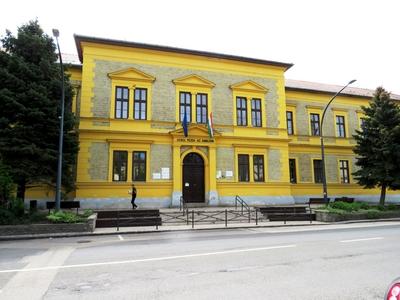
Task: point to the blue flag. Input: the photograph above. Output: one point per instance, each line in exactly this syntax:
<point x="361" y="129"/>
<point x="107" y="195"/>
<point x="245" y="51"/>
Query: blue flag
<point x="185" y="124"/>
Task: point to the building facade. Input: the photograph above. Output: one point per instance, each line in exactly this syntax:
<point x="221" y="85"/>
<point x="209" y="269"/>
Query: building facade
<point x="131" y="100"/>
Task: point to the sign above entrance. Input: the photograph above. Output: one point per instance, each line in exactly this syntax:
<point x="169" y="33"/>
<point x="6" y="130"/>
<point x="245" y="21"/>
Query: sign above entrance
<point x="195" y="140"/>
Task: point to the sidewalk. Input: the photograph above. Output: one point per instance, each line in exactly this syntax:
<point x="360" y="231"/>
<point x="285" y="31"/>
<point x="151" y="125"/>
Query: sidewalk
<point x="276" y="226"/>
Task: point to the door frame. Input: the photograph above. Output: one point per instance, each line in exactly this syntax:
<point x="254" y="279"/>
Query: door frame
<point x="206" y="171"/>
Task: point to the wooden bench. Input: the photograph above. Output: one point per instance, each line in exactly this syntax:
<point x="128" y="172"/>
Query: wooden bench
<point x="128" y="218"/>
<point x="286" y="213"/>
<point x="344" y="199"/>
<point x="316" y="202"/>
<point x="64" y="204"/>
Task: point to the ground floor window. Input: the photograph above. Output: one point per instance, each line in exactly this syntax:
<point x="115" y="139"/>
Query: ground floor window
<point x="292" y="170"/>
<point x="258" y="167"/>
<point x="344" y="171"/>
<point x="243" y="160"/>
<point x="120" y="161"/>
<point x="139" y="166"/>
<point x="317" y="170"/>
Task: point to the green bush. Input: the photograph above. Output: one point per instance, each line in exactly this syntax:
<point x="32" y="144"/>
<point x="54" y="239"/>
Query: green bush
<point x="6" y="217"/>
<point x="349" y="207"/>
<point x="64" y="217"/>
<point x="373" y="214"/>
<point x="16" y="207"/>
<point x="6" y="184"/>
<point x="393" y="207"/>
<point x="87" y="213"/>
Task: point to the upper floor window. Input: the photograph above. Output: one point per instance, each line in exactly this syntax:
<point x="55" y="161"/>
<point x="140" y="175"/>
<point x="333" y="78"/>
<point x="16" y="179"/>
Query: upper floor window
<point x="344" y="171"/>
<point x="241" y="111"/>
<point x="256" y="112"/>
<point x="318" y="173"/>
<point x="243" y="161"/>
<point x="121" y="102"/>
<point x="140" y="104"/>
<point x="201" y="108"/>
<point x="120" y="162"/>
<point x="185" y="106"/>
<point x="340" y="127"/>
<point x="258" y="167"/>
<point x="139" y="166"/>
<point x="315" y="125"/>
<point x="289" y="122"/>
<point x="292" y="170"/>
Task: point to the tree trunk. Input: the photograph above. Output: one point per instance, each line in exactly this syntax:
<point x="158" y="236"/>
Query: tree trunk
<point x="21" y="189"/>
<point x="383" y="194"/>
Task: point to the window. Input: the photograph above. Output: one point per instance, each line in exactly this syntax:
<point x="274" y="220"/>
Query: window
<point x="121" y="102"/>
<point x="185" y="104"/>
<point x="340" y="127"/>
<point x="344" y="171"/>
<point x="258" y="168"/>
<point x="315" y="127"/>
<point x="120" y="161"/>
<point x="289" y="122"/>
<point x="256" y="112"/>
<point x="243" y="160"/>
<point x="317" y="170"/>
<point x="241" y="111"/>
<point x="201" y="108"/>
<point x="140" y="104"/>
<point x="292" y="170"/>
<point x="139" y="166"/>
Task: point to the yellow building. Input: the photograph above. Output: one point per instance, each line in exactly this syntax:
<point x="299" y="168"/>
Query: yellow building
<point x="132" y="98"/>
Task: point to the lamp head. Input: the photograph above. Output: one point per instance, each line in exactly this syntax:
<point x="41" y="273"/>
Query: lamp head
<point x="56" y="33"/>
<point x="352" y="81"/>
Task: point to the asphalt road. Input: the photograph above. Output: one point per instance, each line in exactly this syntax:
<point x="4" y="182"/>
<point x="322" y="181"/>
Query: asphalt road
<point x="319" y="262"/>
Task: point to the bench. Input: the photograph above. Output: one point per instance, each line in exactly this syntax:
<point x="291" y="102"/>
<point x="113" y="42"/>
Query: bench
<point x="344" y="199"/>
<point x="128" y="218"/>
<point x="286" y="213"/>
<point x="64" y="204"/>
<point x="317" y="202"/>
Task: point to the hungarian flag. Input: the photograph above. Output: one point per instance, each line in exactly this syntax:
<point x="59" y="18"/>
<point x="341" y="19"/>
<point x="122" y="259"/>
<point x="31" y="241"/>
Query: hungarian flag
<point x="210" y="126"/>
<point x="185" y="124"/>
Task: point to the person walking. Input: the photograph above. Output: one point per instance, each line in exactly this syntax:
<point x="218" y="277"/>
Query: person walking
<point x="133" y="193"/>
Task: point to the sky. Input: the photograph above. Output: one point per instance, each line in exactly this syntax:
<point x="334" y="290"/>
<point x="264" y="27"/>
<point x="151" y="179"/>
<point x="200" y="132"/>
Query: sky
<point x="330" y="41"/>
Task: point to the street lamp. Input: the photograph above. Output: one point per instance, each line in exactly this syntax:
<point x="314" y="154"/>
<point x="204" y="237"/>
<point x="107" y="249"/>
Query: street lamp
<point x="325" y="188"/>
<point x="56" y="34"/>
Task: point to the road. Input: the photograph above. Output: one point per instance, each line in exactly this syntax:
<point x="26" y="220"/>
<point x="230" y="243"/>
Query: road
<point x="355" y="261"/>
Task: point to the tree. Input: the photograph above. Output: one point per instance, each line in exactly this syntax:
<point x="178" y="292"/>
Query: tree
<point x="30" y="92"/>
<point x="378" y="145"/>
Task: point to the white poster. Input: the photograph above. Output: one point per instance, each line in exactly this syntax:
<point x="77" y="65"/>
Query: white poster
<point x="156" y="176"/>
<point x="229" y="174"/>
<point x="165" y="173"/>
<point x="219" y="174"/>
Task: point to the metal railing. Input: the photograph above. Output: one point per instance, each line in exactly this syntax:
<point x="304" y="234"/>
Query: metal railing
<point x="242" y="203"/>
<point x="182" y="204"/>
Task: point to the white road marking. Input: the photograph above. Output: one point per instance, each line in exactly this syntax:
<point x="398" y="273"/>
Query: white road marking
<point x="17" y="287"/>
<point x="362" y="240"/>
<point x="147" y="259"/>
<point x="120" y="237"/>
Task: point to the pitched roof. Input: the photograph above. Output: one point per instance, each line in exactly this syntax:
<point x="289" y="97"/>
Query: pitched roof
<point x="315" y="87"/>
<point x="81" y="38"/>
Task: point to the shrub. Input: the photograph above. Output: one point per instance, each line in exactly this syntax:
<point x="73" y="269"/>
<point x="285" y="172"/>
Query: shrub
<point x="16" y="207"/>
<point x="373" y="214"/>
<point x="6" y="184"/>
<point x="393" y="207"/>
<point x="64" y="217"/>
<point x="6" y="217"/>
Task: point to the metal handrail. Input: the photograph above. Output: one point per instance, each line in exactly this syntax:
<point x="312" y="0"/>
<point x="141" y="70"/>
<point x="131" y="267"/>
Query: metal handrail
<point x="242" y="203"/>
<point x="182" y="204"/>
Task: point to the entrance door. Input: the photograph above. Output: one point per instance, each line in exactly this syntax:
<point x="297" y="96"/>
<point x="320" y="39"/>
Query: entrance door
<point x="193" y="178"/>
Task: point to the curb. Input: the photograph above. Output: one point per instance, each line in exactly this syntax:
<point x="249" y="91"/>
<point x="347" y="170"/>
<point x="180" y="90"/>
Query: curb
<point x="93" y="234"/>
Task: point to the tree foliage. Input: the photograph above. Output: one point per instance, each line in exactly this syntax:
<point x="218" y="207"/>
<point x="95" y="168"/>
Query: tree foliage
<point x="378" y="145"/>
<point x="30" y="93"/>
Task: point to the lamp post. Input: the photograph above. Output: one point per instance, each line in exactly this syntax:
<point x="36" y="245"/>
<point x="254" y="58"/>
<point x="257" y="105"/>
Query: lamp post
<point x="325" y="188"/>
<point x="56" y="34"/>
